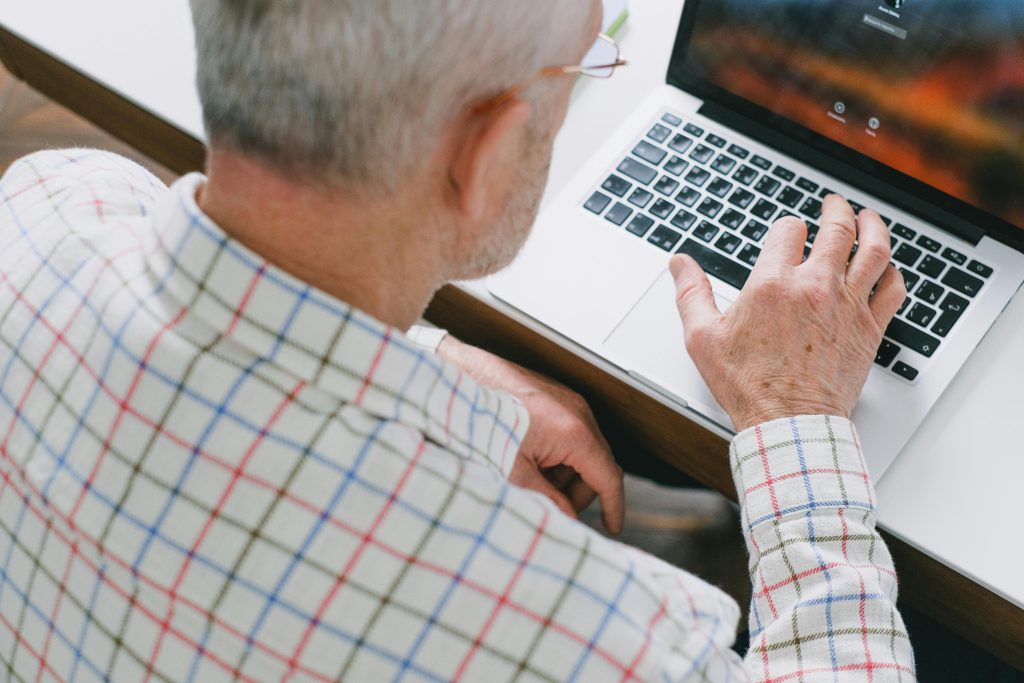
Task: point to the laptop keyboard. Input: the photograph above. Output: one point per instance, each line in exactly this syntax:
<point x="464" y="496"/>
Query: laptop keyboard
<point x="683" y="189"/>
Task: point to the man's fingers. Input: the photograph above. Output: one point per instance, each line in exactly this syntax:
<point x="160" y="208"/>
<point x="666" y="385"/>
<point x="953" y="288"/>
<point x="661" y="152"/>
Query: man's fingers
<point x="784" y="243"/>
<point x="694" y="297"/>
<point x="890" y="292"/>
<point x="836" y="235"/>
<point x="536" y="481"/>
<point x="872" y="255"/>
<point x="598" y="470"/>
<point x="580" y="494"/>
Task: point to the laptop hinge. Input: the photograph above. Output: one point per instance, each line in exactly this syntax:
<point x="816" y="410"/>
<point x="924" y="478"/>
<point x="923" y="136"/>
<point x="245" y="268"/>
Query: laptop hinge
<point x="860" y="178"/>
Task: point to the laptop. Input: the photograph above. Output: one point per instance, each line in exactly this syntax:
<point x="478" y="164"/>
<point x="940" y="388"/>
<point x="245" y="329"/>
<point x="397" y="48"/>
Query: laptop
<point x="914" y="108"/>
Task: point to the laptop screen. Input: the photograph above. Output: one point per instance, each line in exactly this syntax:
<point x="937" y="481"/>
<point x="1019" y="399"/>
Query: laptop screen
<point x="933" y="89"/>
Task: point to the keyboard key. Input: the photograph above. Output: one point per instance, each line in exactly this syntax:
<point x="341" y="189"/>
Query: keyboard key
<point x="710" y="207"/>
<point x="688" y="196"/>
<point x="907" y="255"/>
<point x="731" y="219"/>
<point x="928" y="243"/>
<point x="640" y="225"/>
<point x="807" y="185"/>
<point x="784" y="173"/>
<point x="741" y="198"/>
<point x="764" y="210"/>
<point x="650" y="153"/>
<point x="954" y="256"/>
<point x="723" y="164"/>
<point x="812" y="232"/>
<point x="697" y="176"/>
<point x="856" y="206"/>
<point x="667" y="186"/>
<point x="659" y="133"/>
<point x="761" y="162"/>
<point x="754" y="230"/>
<point x="929" y="292"/>
<point x="904" y="306"/>
<point x="662" y="208"/>
<point x="790" y="196"/>
<point x="921" y="314"/>
<point x="672" y="120"/>
<point x="693" y="130"/>
<point x="749" y="254"/>
<point x="715" y="264"/>
<point x="811" y="208"/>
<point x="906" y="334"/>
<point x="702" y="154"/>
<point x="676" y="165"/>
<point x="931" y="266"/>
<point x="713" y="139"/>
<point x="640" y="197"/>
<point x="807" y="251"/>
<point x="886" y="220"/>
<point x="767" y="186"/>
<point x="705" y="231"/>
<point x="962" y="282"/>
<point x="738" y="151"/>
<point x="978" y="268"/>
<point x="683" y="220"/>
<point x="664" y="238"/>
<point x="617" y="186"/>
<point x="826" y="192"/>
<point x="719" y="187"/>
<point x="952" y="308"/>
<point x="911" y="278"/>
<point x="887" y="353"/>
<point x="728" y="243"/>
<point x="640" y="172"/>
<point x="905" y="371"/>
<point x="598" y="202"/>
<point x="680" y="143"/>
<point x="618" y="213"/>
<point x="744" y="175"/>
<point x="903" y="231"/>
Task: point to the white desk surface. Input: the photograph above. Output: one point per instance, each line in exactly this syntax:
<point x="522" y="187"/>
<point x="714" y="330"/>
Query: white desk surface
<point x="956" y="490"/>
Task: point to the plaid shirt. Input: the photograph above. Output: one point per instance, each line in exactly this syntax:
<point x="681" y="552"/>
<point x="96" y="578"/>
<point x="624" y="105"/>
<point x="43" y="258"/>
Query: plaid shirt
<point x="211" y="471"/>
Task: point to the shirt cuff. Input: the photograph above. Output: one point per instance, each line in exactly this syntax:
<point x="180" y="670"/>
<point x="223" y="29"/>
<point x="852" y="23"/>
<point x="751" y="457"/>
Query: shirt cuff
<point x="426" y="338"/>
<point x="798" y="464"/>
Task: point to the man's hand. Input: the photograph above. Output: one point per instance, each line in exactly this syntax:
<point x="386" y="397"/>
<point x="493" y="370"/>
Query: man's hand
<point x="563" y="455"/>
<point x="801" y="337"/>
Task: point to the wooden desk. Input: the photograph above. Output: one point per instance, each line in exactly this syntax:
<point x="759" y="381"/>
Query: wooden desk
<point x="633" y="419"/>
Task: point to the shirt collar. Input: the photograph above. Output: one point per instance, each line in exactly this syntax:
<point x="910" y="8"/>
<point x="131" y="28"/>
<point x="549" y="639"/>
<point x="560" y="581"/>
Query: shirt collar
<point x="322" y="340"/>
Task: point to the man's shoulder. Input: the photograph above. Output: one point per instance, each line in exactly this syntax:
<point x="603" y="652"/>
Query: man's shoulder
<point x="52" y="175"/>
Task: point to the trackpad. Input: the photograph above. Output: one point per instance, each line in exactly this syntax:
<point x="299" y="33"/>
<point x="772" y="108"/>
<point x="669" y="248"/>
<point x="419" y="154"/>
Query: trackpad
<point x="649" y="342"/>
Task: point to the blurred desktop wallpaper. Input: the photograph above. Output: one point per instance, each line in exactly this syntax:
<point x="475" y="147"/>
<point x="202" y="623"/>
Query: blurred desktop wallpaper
<point x="932" y="88"/>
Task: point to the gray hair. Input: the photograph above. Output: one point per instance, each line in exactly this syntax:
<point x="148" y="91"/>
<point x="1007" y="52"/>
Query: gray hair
<point x="362" y="89"/>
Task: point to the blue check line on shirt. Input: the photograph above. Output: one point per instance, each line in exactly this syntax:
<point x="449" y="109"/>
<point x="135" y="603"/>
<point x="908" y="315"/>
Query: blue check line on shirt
<point x="810" y="506"/>
<point x="89" y="609"/>
<point x="479" y="540"/>
<point x="610" y="609"/>
<point x="812" y="542"/>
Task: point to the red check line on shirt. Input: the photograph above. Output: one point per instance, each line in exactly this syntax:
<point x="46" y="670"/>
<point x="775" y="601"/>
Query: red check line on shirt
<point x="859" y="474"/>
<point x="186" y="444"/>
<point x="866" y="666"/>
<point x="368" y="379"/>
<point x="43" y="664"/>
<point x="214" y="515"/>
<point x="503" y="600"/>
<point x="630" y="673"/>
<point x="365" y="541"/>
<point x="766" y="591"/>
<point x="246" y="298"/>
<point x="56" y="607"/>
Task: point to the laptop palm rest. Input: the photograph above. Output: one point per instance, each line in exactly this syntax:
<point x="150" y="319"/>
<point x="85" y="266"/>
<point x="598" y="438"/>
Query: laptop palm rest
<point x="648" y="343"/>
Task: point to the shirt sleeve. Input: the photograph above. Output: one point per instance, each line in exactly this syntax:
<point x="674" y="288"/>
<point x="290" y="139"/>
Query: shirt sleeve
<point x="824" y="585"/>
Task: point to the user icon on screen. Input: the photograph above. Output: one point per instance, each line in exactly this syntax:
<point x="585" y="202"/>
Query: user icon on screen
<point x="895" y="4"/>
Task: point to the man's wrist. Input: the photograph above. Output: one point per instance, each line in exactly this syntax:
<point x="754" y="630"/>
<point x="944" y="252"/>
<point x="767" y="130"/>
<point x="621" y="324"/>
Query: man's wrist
<point x="765" y="414"/>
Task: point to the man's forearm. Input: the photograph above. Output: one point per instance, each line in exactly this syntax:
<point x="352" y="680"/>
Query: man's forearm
<point x="824" y="586"/>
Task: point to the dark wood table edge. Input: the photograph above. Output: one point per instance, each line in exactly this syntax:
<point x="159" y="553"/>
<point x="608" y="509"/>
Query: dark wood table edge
<point x="631" y="420"/>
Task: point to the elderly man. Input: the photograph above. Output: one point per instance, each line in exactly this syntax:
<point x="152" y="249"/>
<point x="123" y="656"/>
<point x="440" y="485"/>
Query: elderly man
<point x="222" y="458"/>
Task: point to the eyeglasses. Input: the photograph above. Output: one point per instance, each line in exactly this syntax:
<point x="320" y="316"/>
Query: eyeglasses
<point x="600" y="62"/>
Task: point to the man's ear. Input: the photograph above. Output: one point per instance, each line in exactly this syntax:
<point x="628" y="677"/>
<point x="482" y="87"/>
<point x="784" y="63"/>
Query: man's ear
<point x="483" y="142"/>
